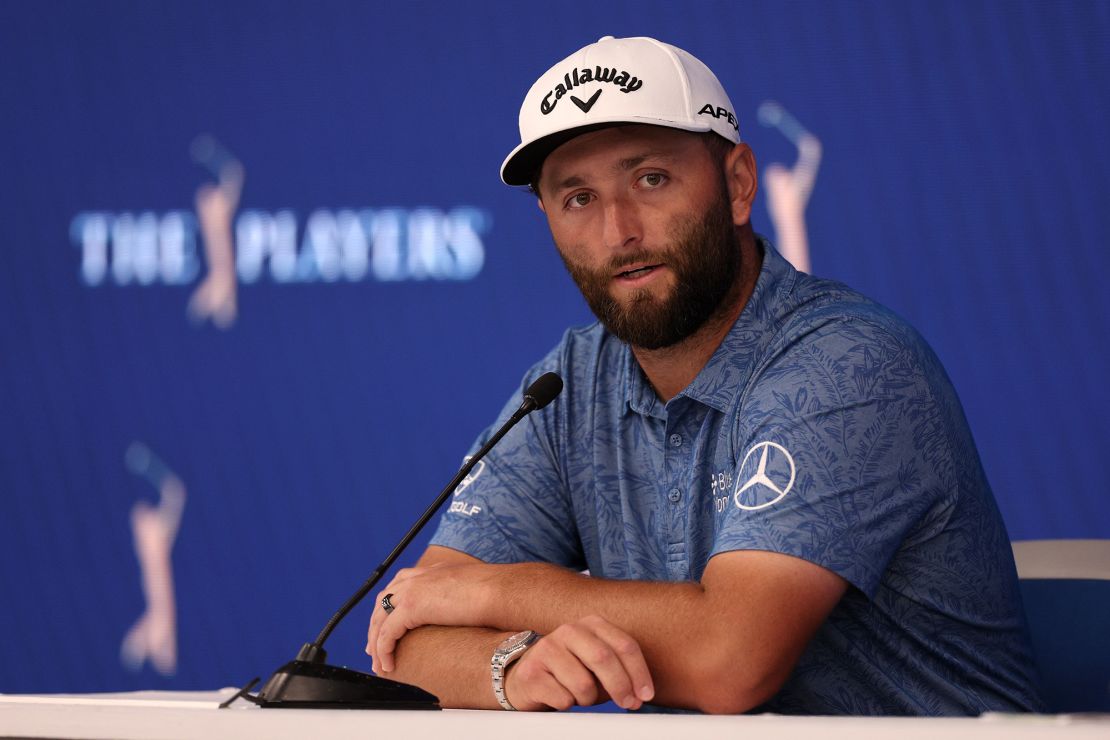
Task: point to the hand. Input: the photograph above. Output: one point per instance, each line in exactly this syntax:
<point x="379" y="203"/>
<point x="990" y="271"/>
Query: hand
<point x="584" y="663"/>
<point x="442" y="594"/>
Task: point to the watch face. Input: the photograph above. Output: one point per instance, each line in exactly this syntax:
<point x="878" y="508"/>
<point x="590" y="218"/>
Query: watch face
<point x="516" y="640"/>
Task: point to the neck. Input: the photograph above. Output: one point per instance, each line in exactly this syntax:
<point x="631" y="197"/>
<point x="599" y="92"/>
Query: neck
<point x="671" y="369"/>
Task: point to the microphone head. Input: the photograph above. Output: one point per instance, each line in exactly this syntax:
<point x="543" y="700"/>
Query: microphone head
<point x="544" y="390"/>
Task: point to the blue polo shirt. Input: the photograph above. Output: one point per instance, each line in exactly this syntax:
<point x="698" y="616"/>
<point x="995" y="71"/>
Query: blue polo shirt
<point x="823" y="427"/>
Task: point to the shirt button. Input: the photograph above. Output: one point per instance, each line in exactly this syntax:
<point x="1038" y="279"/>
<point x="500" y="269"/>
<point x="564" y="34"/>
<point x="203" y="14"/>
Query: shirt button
<point x="674" y="495"/>
<point x="676" y="440"/>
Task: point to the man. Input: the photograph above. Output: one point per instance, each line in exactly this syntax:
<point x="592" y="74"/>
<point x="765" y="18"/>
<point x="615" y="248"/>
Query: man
<point x="768" y="476"/>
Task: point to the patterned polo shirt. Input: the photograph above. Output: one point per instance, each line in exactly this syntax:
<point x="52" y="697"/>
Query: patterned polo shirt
<point x="823" y="427"/>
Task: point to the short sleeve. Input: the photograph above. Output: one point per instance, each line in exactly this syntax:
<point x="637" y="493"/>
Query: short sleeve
<point x="514" y="505"/>
<point x="842" y="450"/>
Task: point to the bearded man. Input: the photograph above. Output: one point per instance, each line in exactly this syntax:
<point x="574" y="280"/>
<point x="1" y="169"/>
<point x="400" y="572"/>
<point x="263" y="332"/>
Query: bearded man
<point x="767" y="476"/>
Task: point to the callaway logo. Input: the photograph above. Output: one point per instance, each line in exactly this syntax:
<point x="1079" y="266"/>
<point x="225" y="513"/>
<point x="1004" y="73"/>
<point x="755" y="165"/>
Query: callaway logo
<point x="577" y="77"/>
<point x="766" y="476"/>
<point x="719" y="112"/>
<point x="585" y="107"/>
<point x="471" y="476"/>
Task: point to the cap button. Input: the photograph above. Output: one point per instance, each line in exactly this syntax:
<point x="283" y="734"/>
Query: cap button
<point x="606" y="38"/>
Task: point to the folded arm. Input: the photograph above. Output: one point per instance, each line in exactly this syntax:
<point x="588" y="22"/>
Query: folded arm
<point x="725" y="644"/>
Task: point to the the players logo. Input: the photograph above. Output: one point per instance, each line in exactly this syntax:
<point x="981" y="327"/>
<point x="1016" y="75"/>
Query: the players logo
<point x="347" y="244"/>
<point x="766" y="476"/>
<point x="153" y="637"/>
<point x="788" y="188"/>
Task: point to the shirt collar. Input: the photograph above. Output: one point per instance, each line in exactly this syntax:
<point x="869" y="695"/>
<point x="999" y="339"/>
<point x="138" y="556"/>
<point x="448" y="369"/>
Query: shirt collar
<point x="729" y="369"/>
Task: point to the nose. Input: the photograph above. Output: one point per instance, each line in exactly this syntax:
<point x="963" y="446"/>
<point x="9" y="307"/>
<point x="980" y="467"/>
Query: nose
<point x="622" y="227"/>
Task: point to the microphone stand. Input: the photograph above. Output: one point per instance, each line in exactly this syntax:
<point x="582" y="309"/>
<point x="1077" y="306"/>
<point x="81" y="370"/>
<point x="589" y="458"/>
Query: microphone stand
<point x="307" y="682"/>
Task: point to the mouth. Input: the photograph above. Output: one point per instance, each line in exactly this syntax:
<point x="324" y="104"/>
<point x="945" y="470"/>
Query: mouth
<point x="637" y="271"/>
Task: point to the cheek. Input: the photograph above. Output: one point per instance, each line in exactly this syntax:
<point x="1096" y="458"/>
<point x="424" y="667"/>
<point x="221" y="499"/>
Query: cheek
<point x="573" y="256"/>
<point x="586" y="273"/>
<point x="566" y="230"/>
<point x="572" y="246"/>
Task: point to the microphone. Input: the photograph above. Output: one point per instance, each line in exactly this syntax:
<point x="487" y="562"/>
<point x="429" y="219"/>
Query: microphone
<point x="541" y="393"/>
<point x="307" y="682"/>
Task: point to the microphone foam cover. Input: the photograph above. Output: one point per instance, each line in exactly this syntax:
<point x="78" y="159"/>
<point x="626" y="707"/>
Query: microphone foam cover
<point x="545" y="389"/>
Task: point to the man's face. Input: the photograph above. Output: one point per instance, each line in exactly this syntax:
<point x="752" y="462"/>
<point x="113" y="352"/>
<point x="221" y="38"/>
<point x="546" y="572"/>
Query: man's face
<point x="641" y="218"/>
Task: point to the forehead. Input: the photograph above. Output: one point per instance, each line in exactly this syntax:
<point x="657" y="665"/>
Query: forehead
<point x="620" y="147"/>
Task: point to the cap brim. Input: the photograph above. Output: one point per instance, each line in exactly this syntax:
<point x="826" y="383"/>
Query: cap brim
<point x="523" y="162"/>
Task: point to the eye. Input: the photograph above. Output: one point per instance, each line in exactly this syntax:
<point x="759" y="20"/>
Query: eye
<point x="579" y="200"/>
<point x="653" y="179"/>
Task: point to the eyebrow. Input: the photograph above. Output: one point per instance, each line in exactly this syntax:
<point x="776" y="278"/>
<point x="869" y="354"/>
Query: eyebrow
<point x="571" y="182"/>
<point x="631" y="162"/>
<point x="622" y="165"/>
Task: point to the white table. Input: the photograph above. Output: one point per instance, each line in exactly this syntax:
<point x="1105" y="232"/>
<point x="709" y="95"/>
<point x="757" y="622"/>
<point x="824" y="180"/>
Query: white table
<point x="163" y="714"/>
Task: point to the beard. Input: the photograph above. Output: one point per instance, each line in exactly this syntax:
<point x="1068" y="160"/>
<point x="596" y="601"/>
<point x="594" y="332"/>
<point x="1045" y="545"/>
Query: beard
<point x="704" y="256"/>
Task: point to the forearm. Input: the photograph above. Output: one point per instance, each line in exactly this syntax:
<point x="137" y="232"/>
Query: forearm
<point x="451" y="662"/>
<point x="725" y="644"/>
<point x="673" y="623"/>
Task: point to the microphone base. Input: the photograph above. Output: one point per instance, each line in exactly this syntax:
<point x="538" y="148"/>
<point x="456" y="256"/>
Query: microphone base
<point x="301" y="684"/>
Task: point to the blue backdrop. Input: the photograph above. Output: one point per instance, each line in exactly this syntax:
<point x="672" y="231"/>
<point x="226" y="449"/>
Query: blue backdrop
<point x="261" y="285"/>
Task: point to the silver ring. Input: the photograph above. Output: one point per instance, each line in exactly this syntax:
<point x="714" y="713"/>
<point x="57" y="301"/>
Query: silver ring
<point x="387" y="604"/>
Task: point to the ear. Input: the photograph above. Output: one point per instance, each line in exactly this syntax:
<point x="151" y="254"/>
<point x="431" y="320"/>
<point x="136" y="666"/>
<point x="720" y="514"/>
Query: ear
<point x="743" y="182"/>
<point x="539" y="202"/>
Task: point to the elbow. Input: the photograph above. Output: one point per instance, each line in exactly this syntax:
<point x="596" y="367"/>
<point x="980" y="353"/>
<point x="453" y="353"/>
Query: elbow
<point x="738" y="684"/>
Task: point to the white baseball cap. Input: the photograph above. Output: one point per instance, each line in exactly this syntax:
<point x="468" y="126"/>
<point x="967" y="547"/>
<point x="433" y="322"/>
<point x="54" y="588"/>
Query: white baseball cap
<point x="614" y="81"/>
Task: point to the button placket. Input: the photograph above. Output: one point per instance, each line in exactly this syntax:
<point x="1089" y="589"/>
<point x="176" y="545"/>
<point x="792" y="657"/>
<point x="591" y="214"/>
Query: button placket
<point x="677" y="467"/>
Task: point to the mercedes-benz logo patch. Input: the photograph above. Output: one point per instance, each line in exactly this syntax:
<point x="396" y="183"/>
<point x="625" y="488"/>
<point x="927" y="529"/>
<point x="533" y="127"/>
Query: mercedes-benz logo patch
<point x="766" y="475"/>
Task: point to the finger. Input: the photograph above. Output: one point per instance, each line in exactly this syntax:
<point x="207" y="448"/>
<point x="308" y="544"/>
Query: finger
<point x="377" y="619"/>
<point x="554" y="694"/>
<point x="529" y="685"/>
<point x="603" y="665"/>
<point x="595" y="643"/>
<point x="567" y="668"/>
<point x="630" y="655"/>
<point x="392" y="630"/>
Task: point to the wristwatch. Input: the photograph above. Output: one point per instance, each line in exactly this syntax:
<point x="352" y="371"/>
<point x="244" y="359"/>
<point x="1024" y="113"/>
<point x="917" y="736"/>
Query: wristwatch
<point x="508" y="651"/>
